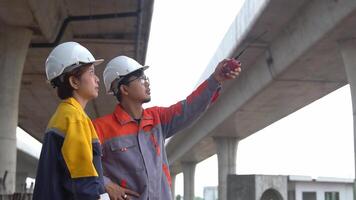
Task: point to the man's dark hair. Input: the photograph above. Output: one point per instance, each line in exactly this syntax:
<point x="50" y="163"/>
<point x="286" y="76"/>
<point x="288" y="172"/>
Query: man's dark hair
<point x="64" y="89"/>
<point x="126" y="80"/>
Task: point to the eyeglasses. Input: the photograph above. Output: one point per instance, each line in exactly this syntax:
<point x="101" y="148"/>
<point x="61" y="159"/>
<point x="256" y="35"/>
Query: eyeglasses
<point x="143" y="79"/>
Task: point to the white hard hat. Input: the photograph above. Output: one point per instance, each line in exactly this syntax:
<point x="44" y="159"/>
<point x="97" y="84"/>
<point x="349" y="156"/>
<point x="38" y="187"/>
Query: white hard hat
<point x="119" y="67"/>
<point x="66" y="55"/>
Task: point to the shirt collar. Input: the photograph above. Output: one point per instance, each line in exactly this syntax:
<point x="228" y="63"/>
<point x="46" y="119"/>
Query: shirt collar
<point x="72" y="101"/>
<point x="123" y="117"/>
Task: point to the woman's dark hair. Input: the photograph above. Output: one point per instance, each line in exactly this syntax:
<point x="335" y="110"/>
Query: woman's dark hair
<point x="125" y="81"/>
<point x="64" y="89"/>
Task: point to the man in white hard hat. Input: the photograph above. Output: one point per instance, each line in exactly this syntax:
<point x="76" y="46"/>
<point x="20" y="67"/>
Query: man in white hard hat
<point x="134" y="158"/>
<point x="70" y="162"/>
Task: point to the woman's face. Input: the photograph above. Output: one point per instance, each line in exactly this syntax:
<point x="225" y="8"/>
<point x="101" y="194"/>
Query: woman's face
<point x="88" y="86"/>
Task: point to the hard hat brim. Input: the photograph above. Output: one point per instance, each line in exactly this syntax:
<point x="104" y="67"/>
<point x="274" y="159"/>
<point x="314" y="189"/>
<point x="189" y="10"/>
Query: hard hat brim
<point x="145" y="67"/>
<point x="97" y="62"/>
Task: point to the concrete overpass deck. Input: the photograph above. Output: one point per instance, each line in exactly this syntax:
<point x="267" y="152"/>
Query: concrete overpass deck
<point x="28" y="32"/>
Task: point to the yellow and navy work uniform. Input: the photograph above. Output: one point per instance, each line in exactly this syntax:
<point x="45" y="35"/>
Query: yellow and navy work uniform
<point x="70" y="164"/>
<point x="134" y="154"/>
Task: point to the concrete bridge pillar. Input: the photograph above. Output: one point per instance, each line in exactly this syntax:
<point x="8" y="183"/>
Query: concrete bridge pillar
<point x="14" y="43"/>
<point x="348" y="52"/>
<point x="226" y="150"/>
<point x="173" y="186"/>
<point x="188" y="174"/>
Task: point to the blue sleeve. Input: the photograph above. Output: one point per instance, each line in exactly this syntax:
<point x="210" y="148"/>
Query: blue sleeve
<point x="81" y="155"/>
<point x="49" y="170"/>
<point x="53" y="179"/>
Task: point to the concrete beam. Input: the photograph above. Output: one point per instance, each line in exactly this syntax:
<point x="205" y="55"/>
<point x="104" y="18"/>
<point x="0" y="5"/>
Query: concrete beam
<point x="49" y="15"/>
<point x="43" y="17"/>
<point x="16" y="13"/>
<point x="14" y="45"/>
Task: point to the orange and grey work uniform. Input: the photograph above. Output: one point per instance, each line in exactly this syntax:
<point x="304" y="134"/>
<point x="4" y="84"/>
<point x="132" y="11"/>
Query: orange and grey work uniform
<point x="133" y="152"/>
<point x="70" y="163"/>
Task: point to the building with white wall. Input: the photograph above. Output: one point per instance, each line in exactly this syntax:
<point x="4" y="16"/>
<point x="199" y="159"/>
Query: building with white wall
<point x="307" y="188"/>
<point x="275" y="187"/>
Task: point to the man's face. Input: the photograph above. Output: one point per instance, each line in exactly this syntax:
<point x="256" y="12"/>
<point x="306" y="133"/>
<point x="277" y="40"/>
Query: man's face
<point x="139" y="89"/>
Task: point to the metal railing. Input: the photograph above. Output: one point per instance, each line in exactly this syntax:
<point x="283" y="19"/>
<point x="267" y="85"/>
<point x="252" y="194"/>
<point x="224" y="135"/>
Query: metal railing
<point x="16" y="196"/>
<point x="26" y="195"/>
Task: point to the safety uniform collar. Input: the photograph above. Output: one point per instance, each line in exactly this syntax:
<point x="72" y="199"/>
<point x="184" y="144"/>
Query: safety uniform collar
<point x="72" y="101"/>
<point x="123" y="117"/>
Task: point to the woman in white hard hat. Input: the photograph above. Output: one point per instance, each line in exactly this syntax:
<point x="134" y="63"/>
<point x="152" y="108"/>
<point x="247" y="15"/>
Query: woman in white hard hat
<point x="70" y="164"/>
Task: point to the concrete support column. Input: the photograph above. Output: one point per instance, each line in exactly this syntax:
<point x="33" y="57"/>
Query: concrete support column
<point x="348" y="52"/>
<point x="21" y="181"/>
<point x="188" y="174"/>
<point x="226" y="151"/>
<point x="14" y="44"/>
<point x="173" y="186"/>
